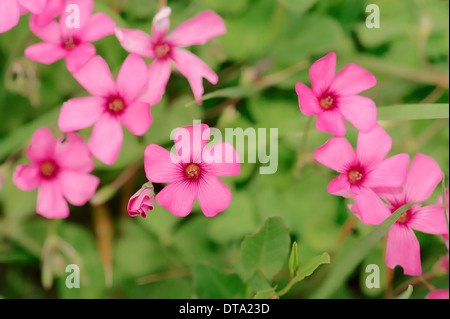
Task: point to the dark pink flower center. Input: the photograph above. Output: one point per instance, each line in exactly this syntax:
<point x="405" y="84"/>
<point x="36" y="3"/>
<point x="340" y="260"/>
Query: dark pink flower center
<point x="70" y="43"/>
<point x="162" y="50"/>
<point x="192" y="171"/>
<point x="355" y="176"/>
<point x="116" y="105"/>
<point x="327" y="102"/>
<point x="48" y="169"/>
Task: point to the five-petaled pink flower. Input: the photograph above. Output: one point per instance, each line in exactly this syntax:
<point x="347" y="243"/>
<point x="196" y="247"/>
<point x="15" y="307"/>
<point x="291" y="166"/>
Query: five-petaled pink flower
<point x="111" y="104"/>
<point x="164" y="49"/>
<point x="334" y="97"/>
<point x="142" y="201"/>
<point x="11" y="10"/>
<point x="61" y="172"/>
<point x="67" y="40"/>
<point x="364" y="171"/>
<point x="402" y="245"/>
<point x="192" y="172"/>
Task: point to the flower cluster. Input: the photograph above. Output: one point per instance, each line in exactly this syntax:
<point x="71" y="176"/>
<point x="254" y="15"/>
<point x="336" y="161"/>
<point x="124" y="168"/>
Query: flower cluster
<point x="67" y="28"/>
<point x="378" y="184"/>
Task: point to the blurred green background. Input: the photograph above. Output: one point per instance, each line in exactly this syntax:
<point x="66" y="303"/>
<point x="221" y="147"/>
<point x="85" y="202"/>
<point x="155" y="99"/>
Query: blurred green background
<point x="269" y="46"/>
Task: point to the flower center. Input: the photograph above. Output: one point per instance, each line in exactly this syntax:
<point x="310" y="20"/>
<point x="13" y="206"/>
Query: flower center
<point x="116" y="105"/>
<point x="70" y="44"/>
<point x="327" y="102"/>
<point x="355" y="176"/>
<point x="404" y="218"/>
<point x="192" y="171"/>
<point x="162" y="50"/>
<point x="48" y="168"/>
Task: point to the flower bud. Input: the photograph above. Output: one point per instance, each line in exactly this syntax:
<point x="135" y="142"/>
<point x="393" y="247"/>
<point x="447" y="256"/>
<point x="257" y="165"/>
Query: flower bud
<point x="142" y="201"/>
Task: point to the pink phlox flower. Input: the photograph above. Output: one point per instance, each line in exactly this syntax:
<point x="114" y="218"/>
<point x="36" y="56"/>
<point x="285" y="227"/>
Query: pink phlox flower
<point x="169" y="48"/>
<point x="61" y="172"/>
<point x="192" y="172"/>
<point x="11" y="10"/>
<point x="334" y="97"/>
<point x="142" y="201"/>
<point x="364" y="171"/>
<point x="67" y="39"/>
<point x="402" y="245"/>
<point x="112" y="103"/>
<point x="438" y="294"/>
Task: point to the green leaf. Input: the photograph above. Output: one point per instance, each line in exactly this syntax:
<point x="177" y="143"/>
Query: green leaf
<point x="414" y="112"/>
<point x="212" y="283"/>
<point x="267" y="250"/>
<point x="298" y="6"/>
<point x="311" y="265"/>
<point x="230" y="92"/>
<point x="343" y="269"/>
<point x="293" y="260"/>
<point x="406" y="294"/>
<point x="266" y="294"/>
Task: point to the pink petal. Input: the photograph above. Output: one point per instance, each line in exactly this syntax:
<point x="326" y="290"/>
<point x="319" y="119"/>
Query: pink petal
<point x="358" y="110"/>
<point x="27" y="177"/>
<point x="178" y="197"/>
<point x="137" y="118"/>
<point x="96" y="77"/>
<point x="307" y="100"/>
<point x="373" y="147"/>
<point x="213" y="195"/>
<point x="162" y="166"/>
<point x="222" y="160"/>
<point x="403" y="249"/>
<point x="428" y="219"/>
<point x="340" y="186"/>
<point x="371" y="208"/>
<point x="74" y="154"/>
<point x="331" y="121"/>
<point x="438" y="294"/>
<point x="77" y="57"/>
<point x="190" y="142"/>
<point x="391" y="173"/>
<point x="51" y="10"/>
<point x="9" y="15"/>
<point x="106" y="139"/>
<point x="194" y="70"/>
<point x="44" y="52"/>
<point x="67" y="16"/>
<point x="322" y="73"/>
<point x="48" y="32"/>
<point x="161" y="23"/>
<point x="35" y="6"/>
<point x="77" y="187"/>
<point x="50" y="202"/>
<point x="98" y="26"/>
<point x="423" y="177"/>
<point x="79" y="113"/>
<point x="198" y="30"/>
<point x="135" y="41"/>
<point x="132" y="78"/>
<point x="337" y="154"/>
<point x="158" y="76"/>
<point x="352" y="80"/>
<point x="42" y="146"/>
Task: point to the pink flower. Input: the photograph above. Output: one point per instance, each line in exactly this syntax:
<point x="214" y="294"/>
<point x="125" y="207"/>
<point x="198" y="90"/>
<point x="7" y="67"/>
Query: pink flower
<point x="192" y="172"/>
<point x="165" y="49"/>
<point x="65" y="40"/>
<point x="402" y="245"/>
<point x="61" y="172"/>
<point x="141" y="202"/>
<point x="438" y="294"/>
<point x="11" y="10"/>
<point x="112" y="103"/>
<point x="334" y="97"/>
<point x="364" y="171"/>
<point x="53" y="9"/>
